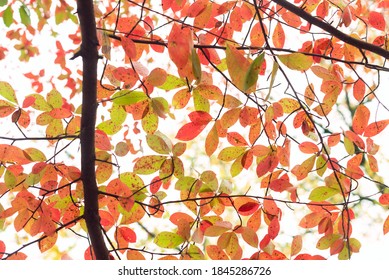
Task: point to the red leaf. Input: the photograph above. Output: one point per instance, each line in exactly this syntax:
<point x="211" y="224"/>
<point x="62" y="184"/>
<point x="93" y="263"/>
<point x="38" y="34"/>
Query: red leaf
<point x="377" y="20"/>
<point x="384" y="199"/>
<point x="274" y="228"/>
<point x="375" y="128"/>
<point x="189" y="131"/>
<point x="102" y="141"/>
<point x="200" y="117"/>
<point x="248" y="208"/>
<point x="128" y="234"/>
<point x="2" y="249"/>
<point x="180" y="44"/>
<point x="129" y="47"/>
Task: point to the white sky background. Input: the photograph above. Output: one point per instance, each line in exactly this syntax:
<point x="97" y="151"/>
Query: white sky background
<point x="374" y="244"/>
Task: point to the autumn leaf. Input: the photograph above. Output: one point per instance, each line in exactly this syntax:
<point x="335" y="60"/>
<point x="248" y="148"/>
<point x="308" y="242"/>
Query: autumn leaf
<point x="168" y="240"/>
<point x="377" y="20"/>
<point x="375" y="128"/>
<point x="296" y="61"/>
<point x="180" y="45"/>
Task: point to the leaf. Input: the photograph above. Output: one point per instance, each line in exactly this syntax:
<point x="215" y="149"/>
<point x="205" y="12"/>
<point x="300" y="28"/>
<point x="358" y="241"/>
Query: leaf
<point x="278" y="36"/>
<point x="251" y="76"/>
<point x="127" y="97"/>
<point x="308" y="147"/>
<point x="211" y="141"/>
<point x="8" y="92"/>
<point x="168" y="240"/>
<point x="197" y="8"/>
<point x="377" y="20"/>
<point x="196" y="66"/>
<point x="8" y="16"/>
<point x="384" y="199"/>
<point x="322" y="193"/>
<point x="311" y="220"/>
<point x="274" y="228"/>
<point x="157" y="144"/>
<point x="180" y="45"/>
<point x="386" y="225"/>
<point x="48" y="242"/>
<point x="235" y="139"/>
<point x="231" y="153"/>
<point x="190" y="131"/>
<point x="25" y="15"/>
<point x="289" y="105"/>
<point x="359" y="89"/>
<point x="360" y="119"/>
<point x="129" y="47"/>
<point x="237" y="66"/>
<point x="172" y="82"/>
<point x="250" y="236"/>
<point x="375" y="128"/>
<point x="296" y="61"/>
<point x="216" y="253"/>
<point x="2" y="249"/>
<point x="148" y="164"/>
<point x="326" y="241"/>
<point x="297" y="244"/>
<point x="102" y="141"/>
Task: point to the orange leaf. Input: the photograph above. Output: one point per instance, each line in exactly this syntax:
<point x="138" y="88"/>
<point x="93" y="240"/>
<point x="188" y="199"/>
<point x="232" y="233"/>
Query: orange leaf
<point x="254" y="222"/>
<point x="359" y="89"/>
<point x="308" y="147"/>
<point x="211" y="141"/>
<point x="377" y="20"/>
<point x="215" y="253"/>
<point x="375" y="128"/>
<point x="246" y="206"/>
<point x="278" y="36"/>
<point x="311" y="220"/>
<point x="197" y="8"/>
<point x="386" y="225"/>
<point x="297" y="244"/>
<point x="360" y="119"/>
<point x="17" y="256"/>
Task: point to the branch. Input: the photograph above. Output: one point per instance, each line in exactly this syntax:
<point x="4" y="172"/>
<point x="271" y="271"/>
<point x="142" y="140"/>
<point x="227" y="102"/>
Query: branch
<point x="332" y="30"/>
<point x="89" y="55"/>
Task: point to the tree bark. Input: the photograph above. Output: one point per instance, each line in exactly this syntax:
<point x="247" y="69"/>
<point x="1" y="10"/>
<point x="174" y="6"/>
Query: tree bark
<point x="89" y="56"/>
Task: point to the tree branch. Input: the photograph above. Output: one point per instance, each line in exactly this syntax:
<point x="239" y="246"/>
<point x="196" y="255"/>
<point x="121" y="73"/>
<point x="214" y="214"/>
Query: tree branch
<point x="89" y="55"/>
<point x="332" y="30"/>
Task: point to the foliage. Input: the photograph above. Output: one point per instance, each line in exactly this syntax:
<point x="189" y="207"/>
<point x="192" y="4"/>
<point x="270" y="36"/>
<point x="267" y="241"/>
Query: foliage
<point x="215" y="121"/>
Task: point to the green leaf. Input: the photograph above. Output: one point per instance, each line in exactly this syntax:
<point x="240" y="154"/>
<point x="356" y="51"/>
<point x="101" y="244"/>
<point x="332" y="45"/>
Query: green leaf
<point x="326" y="241"/>
<point x="3" y="3"/>
<point x="231" y="153"/>
<point x="54" y="98"/>
<point x="8" y="92"/>
<point x="8" y="16"/>
<point x="196" y="66"/>
<point x="168" y="240"/>
<point x="322" y="193"/>
<point x="118" y="114"/>
<point x="157" y="144"/>
<point x="296" y="61"/>
<point x="25" y="15"/>
<point x="172" y="82"/>
<point x="110" y="127"/>
<point x="252" y="74"/>
<point x="148" y="164"/>
<point x="128" y="97"/>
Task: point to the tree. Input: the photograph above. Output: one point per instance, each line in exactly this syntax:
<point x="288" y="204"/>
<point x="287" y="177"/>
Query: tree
<point x="210" y="119"/>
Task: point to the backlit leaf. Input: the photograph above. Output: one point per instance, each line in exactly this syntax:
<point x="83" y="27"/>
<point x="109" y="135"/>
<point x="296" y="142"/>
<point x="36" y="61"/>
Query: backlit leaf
<point x="237" y="66"/>
<point x="231" y="153"/>
<point x="278" y="36"/>
<point x="386" y="225"/>
<point x="360" y="119"/>
<point x="168" y="240"/>
<point x="189" y="131"/>
<point x="322" y="193"/>
<point x="180" y="45"/>
<point x="148" y="164"/>
<point x="252" y="74"/>
<point x="377" y="20"/>
<point x="375" y="128"/>
<point x="8" y="92"/>
<point x="216" y="253"/>
<point x="296" y="61"/>
<point x="297" y="244"/>
<point x="127" y="97"/>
